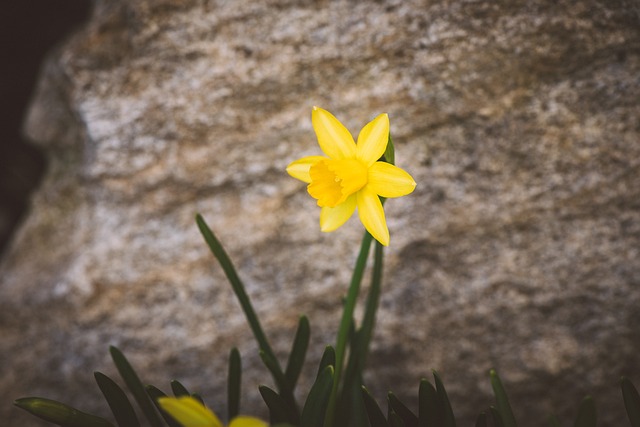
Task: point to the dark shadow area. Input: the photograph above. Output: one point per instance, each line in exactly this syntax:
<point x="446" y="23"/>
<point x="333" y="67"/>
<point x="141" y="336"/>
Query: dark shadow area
<point x="28" y="30"/>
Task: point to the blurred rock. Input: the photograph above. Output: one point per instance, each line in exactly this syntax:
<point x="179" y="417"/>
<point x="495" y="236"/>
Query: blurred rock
<point x="518" y="249"/>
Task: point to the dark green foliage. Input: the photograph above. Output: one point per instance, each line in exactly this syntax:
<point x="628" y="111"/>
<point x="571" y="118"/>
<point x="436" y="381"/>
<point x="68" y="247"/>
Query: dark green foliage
<point x="503" y="402"/>
<point x="497" y="416"/>
<point x="117" y="400"/>
<point x="408" y="418"/>
<point x="298" y="353"/>
<point x="429" y="413"/>
<point x="59" y="413"/>
<point x="155" y="393"/>
<point x="328" y="359"/>
<point x="233" y="383"/>
<point x="481" y="421"/>
<point x="446" y="411"/>
<point x="279" y="412"/>
<point x="135" y="387"/>
<point x="389" y="155"/>
<point x="586" y="413"/>
<point x="553" y="421"/>
<point x="178" y="389"/>
<point x="631" y="401"/>
<point x="395" y="420"/>
<point x="315" y="407"/>
<point x="333" y="400"/>
<point x="374" y="413"/>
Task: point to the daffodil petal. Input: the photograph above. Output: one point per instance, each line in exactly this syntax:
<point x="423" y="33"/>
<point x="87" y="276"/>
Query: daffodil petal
<point x="388" y="180"/>
<point x="244" y="421"/>
<point x="373" y="139"/>
<point x="189" y="412"/>
<point x="334" y="139"/>
<point x="372" y="215"/>
<point x="299" y="169"/>
<point x="332" y="218"/>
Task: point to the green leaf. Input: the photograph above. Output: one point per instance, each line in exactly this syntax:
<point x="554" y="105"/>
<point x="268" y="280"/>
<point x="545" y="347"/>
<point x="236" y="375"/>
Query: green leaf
<point x="553" y="421"/>
<point x="428" y="406"/>
<point x="135" y="386"/>
<point x="481" y="421"/>
<point x="315" y="407"/>
<point x="155" y="393"/>
<point x="448" y="420"/>
<point x="497" y="416"/>
<point x="587" y="416"/>
<point x="272" y="365"/>
<point x="501" y="398"/>
<point x="118" y="402"/>
<point x="631" y="401"/>
<point x="395" y="420"/>
<point x="408" y="417"/>
<point x="198" y="398"/>
<point x="328" y="359"/>
<point x="298" y="353"/>
<point x="375" y="414"/>
<point x="238" y="288"/>
<point x="389" y="153"/>
<point x="233" y="383"/>
<point x="59" y="413"/>
<point x="278" y="410"/>
<point x="178" y="389"/>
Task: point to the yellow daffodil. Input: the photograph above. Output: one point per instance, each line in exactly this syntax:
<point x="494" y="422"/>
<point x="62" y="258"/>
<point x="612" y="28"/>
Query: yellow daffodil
<point x="351" y="175"/>
<point x="191" y="413"/>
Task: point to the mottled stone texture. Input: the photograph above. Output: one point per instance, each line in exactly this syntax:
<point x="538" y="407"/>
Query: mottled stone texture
<point x="519" y="249"/>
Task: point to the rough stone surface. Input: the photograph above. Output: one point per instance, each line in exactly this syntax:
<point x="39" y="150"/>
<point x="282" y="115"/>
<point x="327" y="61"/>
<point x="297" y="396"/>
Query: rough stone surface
<point x="519" y="249"/>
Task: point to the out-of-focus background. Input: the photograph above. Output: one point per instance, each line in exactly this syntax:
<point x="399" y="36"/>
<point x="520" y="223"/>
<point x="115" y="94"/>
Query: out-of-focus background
<point x="518" y="250"/>
<point x="28" y="31"/>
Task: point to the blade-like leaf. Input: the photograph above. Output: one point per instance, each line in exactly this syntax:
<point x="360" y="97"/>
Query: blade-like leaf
<point x="375" y="414"/>
<point x="408" y="417"/>
<point x="553" y="421"/>
<point x="631" y="401"/>
<point x="298" y="353"/>
<point x="154" y="393"/>
<point x="315" y="406"/>
<point x="481" y="421"/>
<point x="328" y="359"/>
<point x="135" y="386"/>
<point x="59" y="413"/>
<point x="497" y="416"/>
<point x="278" y="410"/>
<point x="272" y="365"/>
<point x="237" y="286"/>
<point x="233" y="383"/>
<point x="198" y="398"/>
<point x="587" y="416"/>
<point x="178" y="389"/>
<point x="389" y="153"/>
<point x="395" y="420"/>
<point x="448" y="420"/>
<point x="502" y="400"/>
<point x="428" y="407"/>
<point x="118" y="402"/>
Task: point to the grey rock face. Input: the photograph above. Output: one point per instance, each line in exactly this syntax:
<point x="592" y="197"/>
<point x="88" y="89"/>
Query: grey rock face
<point x="518" y="250"/>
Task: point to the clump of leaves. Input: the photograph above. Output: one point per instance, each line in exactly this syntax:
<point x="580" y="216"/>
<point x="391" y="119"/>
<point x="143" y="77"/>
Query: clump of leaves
<point x="337" y="398"/>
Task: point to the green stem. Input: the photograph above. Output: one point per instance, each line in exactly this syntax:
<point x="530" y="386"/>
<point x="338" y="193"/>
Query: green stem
<point x="369" y="319"/>
<point x="345" y="323"/>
